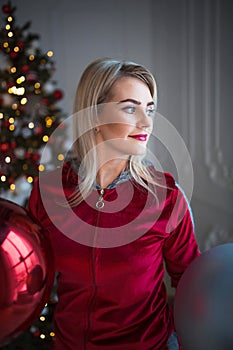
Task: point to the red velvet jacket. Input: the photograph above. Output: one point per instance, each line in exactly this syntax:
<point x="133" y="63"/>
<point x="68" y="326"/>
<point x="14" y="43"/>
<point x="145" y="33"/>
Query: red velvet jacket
<point x="110" y="261"/>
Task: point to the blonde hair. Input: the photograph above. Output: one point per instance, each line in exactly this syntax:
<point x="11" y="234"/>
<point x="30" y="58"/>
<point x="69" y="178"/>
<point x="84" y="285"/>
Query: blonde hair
<point x="94" y="88"/>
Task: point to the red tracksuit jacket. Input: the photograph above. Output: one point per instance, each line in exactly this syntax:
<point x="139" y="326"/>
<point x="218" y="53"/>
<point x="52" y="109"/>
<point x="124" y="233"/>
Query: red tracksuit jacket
<point x="110" y="261"/>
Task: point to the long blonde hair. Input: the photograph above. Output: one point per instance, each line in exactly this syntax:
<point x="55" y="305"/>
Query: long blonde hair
<point x="94" y="89"/>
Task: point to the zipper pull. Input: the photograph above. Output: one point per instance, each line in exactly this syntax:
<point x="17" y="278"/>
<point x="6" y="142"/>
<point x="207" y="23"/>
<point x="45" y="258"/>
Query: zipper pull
<point x="100" y="204"/>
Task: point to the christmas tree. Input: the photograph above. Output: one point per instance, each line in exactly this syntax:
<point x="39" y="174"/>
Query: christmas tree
<point x="28" y="103"/>
<point x="29" y="114"/>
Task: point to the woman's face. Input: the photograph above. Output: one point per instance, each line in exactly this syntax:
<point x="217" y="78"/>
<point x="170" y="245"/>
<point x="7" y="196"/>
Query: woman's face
<point x="126" y="120"/>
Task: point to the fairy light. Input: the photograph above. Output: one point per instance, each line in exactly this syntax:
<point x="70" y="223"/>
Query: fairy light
<point x="3" y="178"/>
<point x="5" y="44"/>
<point x="37" y="85"/>
<point x="60" y="157"/>
<point x="8" y="27"/>
<point x="14" y="106"/>
<point x="50" y="53"/>
<point x="42" y="318"/>
<point x="10" y="19"/>
<point x="10" y="34"/>
<point x="31" y="58"/>
<point x="12" y="187"/>
<point x="11" y="127"/>
<point x="31" y="125"/>
<point x="8" y="159"/>
<point x="52" y="334"/>
<point x="19" y="92"/>
<point x="37" y="91"/>
<point x="49" y="122"/>
<point x="41" y="167"/>
<point x="23" y="101"/>
<point x="45" y="138"/>
<point x="16" y="49"/>
<point x="20" y="79"/>
<point x="13" y="69"/>
<point x="42" y="336"/>
<point x="30" y="180"/>
<point x="25" y="167"/>
<point x="1" y="115"/>
<point x="11" y="120"/>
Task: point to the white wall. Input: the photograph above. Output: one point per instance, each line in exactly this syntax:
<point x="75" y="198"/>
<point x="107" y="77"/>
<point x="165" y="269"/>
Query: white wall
<point x="188" y="46"/>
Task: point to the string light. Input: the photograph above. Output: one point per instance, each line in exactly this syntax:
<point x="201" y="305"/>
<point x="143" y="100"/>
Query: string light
<point x="37" y="85"/>
<point x="12" y="187"/>
<point x="1" y="115"/>
<point x="14" y="106"/>
<point x="10" y="34"/>
<point x="45" y="138"/>
<point x="8" y="159"/>
<point x="8" y="27"/>
<point x="16" y="49"/>
<point x="11" y="120"/>
<point x="5" y="44"/>
<point x="24" y="100"/>
<point x="49" y="122"/>
<point x="25" y="167"/>
<point x="41" y="167"/>
<point x="60" y="157"/>
<point x="10" y="19"/>
<point x="13" y="69"/>
<point x="42" y="318"/>
<point x="31" y="58"/>
<point x="18" y="91"/>
<point x="42" y="336"/>
<point x="31" y="125"/>
<point x="30" y="180"/>
<point x="20" y="79"/>
<point x="50" y="53"/>
<point x="52" y="334"/>
<point x="3" y="178"/>
<point x="11" y="127"/>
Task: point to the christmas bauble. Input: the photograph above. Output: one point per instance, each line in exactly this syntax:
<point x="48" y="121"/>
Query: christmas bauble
<point x="26" y="270"/>
<point x="203" y="307"/>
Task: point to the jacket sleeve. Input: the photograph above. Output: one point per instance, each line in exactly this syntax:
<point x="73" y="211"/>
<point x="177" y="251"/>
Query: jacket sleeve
<point x="180" y="247"/>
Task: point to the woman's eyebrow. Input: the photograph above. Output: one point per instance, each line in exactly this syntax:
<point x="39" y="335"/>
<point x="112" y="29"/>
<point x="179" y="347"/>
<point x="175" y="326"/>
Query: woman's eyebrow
<point x="135" y="101"/>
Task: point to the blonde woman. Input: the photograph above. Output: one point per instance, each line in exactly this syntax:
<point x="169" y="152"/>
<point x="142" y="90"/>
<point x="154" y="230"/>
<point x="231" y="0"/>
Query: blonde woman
<point x="122" y="220"/>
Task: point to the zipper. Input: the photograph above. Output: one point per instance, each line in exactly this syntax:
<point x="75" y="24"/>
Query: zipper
<point x="100" y="204"/>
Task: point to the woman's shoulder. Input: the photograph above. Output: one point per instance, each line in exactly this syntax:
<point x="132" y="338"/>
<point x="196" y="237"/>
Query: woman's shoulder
<point x="162" y="178"/>
<point x="65" y="174"/>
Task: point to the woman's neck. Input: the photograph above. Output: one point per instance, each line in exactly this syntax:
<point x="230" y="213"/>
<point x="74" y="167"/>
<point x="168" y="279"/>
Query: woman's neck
<point x="110" y="170"/>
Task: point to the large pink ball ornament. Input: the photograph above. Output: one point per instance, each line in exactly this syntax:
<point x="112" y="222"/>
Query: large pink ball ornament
<point x="203" y="307"/>
<point x="26" y="270"/>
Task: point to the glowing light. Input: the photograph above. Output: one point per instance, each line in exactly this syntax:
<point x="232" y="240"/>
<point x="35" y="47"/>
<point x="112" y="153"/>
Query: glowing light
<point x="16" y="49"/>
<point x="23" y="101"/>
<point x="50" y="53"/>
<point x="12" y="187"/>
<point x="30" y="180"/>
<point x="8" y="159"/>
<point x="49" y="122"/>
<point x="13" y="69"/>
<point x="52" y="334"/>
<point x="37" y="91"/>
<point x="25" y="167"/>
<point x="10" y="34"/>
<point x="20" y="80"/>
<point x="11" y="120"/>
<point x="11" y="127"/>
<point x="42" y="336"/>
<point x="41" y="167"/>
<point x="45" y="138"/>
<point x="31" y="58"/>
<point x="5" y="44"/>
<point x="37" y="85"/>
<point x="31" y="125"/>
<point x="17" y="91"/>
<point x="60" y="157"/>
<point x="14" y="106"/>
<point x="10" y="19"/>
<point x="1" y="115"/>
<point x="8" y="27"/>
<point x="42" y="318"/>
<point x="3" y="178"/>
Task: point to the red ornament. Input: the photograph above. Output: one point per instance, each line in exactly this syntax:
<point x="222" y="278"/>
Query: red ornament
<point x="14" y="55"/>
<point x="58" y="94"/>
<point x="20" y="44"/>
<point x="6" y="9"/>
<point x="25" y="68"/>
<point x="4" y="146"/>
<point x="26" y="266"/>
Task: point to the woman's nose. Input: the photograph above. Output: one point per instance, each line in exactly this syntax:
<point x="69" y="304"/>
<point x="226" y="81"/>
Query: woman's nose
<point x="144" y="121"/>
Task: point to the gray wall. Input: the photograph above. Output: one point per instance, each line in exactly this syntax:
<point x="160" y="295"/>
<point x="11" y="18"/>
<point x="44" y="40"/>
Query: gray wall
<point x="188" y="46"/>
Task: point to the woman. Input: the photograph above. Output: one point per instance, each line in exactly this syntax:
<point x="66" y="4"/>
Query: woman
<point x="121" y="222"/>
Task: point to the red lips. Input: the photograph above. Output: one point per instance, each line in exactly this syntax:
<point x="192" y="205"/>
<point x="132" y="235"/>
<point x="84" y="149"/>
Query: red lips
<point x="140" y="137"/>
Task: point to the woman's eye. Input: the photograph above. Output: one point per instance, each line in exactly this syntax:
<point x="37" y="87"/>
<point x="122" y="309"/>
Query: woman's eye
<point x="150" y="112"/>
<point x="129" y="109"/>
